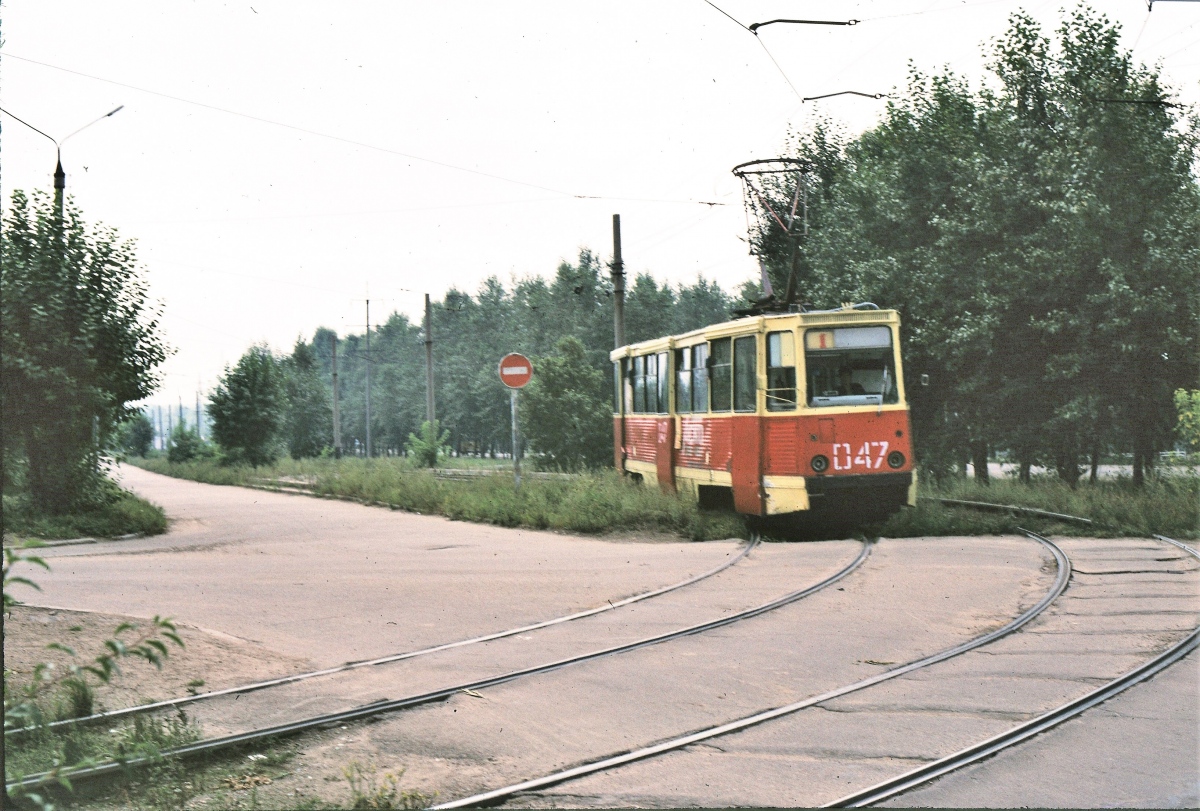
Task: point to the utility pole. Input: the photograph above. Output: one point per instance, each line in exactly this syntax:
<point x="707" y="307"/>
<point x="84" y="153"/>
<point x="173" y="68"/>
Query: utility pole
<point x="162" y="438"/>
<point x="182" y="424"/>
<point x="368" y="378"/>
<point x="618" y="280"/>
<point x="429" y="405"/>
<point x="198" y="414"/>
<point x="337" y="421"/>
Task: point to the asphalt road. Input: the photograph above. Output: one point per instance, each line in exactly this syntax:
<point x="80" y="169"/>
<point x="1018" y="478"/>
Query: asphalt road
<point x="330" y="581"/>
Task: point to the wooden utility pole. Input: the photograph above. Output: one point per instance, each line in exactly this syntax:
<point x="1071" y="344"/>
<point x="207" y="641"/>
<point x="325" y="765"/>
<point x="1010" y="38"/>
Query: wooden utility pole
<point x="337" y="420"/>
<point x="618" y="280"/>
<point x="429" y="404"/>
<point x="368" y="378"/>
<point x="198" y="414"/>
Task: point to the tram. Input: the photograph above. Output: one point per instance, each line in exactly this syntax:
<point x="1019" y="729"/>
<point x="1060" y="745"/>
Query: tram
<point x="774" y="414"/>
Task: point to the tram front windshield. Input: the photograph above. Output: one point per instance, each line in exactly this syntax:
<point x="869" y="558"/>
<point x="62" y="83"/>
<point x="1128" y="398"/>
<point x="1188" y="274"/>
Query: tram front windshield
<point x="850" y="366"/>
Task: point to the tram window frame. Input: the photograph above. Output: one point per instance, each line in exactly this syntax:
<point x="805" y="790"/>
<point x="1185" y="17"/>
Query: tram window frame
<point x="859" y="350"/>
<point x="720" y="375"/>
<point x="651" y="384"/>
<point x="683" y="380"/>
<point x="618" y="385"/>
<point x="664" y="378"/>
<point x="781" y="376"/>
<point x="745" y="373"/>
<point x="700" y="378"/>
<point x="639" y="384"/>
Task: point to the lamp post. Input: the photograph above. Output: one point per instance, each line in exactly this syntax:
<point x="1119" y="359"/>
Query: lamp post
<point x="60" y="177"/>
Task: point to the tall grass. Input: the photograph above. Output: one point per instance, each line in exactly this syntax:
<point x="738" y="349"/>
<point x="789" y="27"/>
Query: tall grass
<point x="602" y="502"/>
<point x="1167" y="505"/>
<point x="590" y="503"/>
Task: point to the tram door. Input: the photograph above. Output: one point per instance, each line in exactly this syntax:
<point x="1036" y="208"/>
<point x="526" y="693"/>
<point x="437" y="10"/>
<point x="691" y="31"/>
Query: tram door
<point x="736" y="368"/>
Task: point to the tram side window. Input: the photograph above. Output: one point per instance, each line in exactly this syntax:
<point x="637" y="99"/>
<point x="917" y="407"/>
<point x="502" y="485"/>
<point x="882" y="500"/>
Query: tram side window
<point x="781" y="371"/>
<point x="617" y="382"/>
<point x="639" y="385"/>
<point x="720" y="368"/>
<point x="700" y="377"/>
<point x="745" y="367"/>
<point x="651" y="384"/>
<point x="850" y="366"/>
<point x="664" y="380"/>
<point x="683" y="380"/>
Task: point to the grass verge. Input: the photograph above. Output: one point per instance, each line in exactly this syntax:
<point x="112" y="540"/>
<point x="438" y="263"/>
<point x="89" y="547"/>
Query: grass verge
<point x="600" y="502"/>
<point x="116" y="512"/>
<point x="590" y="503"/>
<point x="1165" y="505"/>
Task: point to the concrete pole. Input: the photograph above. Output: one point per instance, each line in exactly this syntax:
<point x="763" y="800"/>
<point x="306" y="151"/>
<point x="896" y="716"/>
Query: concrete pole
<point x="618" y="280"/>
<point x="429" y="403"/>
<point x="368" y="378"/>
<point x="337" y="420"/>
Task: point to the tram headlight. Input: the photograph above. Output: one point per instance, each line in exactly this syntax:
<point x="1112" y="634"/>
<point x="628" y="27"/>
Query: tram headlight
<point x="819" y="463"/>
<point x="896" y="459"/>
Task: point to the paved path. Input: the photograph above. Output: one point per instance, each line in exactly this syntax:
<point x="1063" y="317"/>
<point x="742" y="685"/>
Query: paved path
<point x="332" y="581"/>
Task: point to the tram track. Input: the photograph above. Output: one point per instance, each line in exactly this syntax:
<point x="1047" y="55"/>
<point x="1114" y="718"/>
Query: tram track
<point x="1009" y="738"/>
<point x="911" y="779"/>
<point x="616" y="760"/>
<point x="392" y="705"/>
<point x="181" y="701"/>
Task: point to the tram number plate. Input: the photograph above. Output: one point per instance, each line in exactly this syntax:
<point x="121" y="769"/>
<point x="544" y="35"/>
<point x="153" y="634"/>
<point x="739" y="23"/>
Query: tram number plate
<point x="870" y="456"/>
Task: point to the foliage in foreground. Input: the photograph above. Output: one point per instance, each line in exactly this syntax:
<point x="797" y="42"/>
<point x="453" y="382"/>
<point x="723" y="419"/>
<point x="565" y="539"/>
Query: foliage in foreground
<point x="70" y="691"/>
<point x="114" y="512"/>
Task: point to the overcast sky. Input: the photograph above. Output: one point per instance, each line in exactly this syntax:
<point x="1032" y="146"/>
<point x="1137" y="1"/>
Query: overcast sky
<point x="278" y="162"/>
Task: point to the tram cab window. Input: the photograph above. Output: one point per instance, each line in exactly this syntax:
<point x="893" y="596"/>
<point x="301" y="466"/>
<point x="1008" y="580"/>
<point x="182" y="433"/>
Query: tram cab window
<point x="745" y="367"/>
<point x="850" y="366"/>
<point x="781" y="371"/>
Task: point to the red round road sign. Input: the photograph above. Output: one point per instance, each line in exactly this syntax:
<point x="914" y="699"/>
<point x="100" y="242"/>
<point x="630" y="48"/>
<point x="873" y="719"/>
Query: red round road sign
<point x="515" y="370"/>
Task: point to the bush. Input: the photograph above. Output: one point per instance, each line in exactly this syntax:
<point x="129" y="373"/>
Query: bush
<point x="429" y="446"/>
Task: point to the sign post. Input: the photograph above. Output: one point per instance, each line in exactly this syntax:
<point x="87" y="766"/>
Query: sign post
<point x="515" y="372"/>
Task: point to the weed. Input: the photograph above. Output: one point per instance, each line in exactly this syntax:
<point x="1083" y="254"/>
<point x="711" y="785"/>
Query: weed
<point x="193" y="686"/>
<point x="370" y="790"/>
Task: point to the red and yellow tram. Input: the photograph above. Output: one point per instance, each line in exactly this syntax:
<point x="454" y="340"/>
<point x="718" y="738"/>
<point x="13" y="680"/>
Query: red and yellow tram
<point x="772" y="414"/>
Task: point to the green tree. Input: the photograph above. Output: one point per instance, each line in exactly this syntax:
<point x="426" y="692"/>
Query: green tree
<point x="248" y="409"/>
<point x="565" y="412"/>
<point x="426" y="448"/>
<point x="1187" y="407"/>
<point x="80" y="344"/>
<point x="309" y="410"/>
<point x="186" y="445"/>
<point x="136" y="435"/>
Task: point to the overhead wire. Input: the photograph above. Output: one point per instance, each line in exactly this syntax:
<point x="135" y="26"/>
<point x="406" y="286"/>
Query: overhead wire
<point x="342" y="139"/>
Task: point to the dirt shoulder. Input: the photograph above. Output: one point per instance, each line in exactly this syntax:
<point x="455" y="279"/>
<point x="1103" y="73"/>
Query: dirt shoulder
<point x="210" y="660"/>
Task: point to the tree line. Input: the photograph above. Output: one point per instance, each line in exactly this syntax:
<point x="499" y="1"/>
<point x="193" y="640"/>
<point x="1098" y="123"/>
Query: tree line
<point x="1040" y="236"/>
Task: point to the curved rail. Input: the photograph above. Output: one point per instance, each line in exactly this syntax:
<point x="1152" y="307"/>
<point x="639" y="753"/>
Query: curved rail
<point x="395" y="657"/>
<point x="1060" y="584"/>
<point x="215" y="744"/>
<point x="984" y="749"/>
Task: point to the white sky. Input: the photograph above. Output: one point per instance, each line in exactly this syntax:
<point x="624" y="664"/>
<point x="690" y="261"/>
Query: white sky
<point x="257" y="231"/>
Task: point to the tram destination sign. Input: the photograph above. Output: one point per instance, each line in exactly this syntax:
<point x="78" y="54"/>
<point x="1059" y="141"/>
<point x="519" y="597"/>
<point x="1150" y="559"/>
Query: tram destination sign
<point x="515" y="370"/>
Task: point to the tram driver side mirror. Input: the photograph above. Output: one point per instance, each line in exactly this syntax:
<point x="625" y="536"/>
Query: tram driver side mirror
<point x="924" y="380"/>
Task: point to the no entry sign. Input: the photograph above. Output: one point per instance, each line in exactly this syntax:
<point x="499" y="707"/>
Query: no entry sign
<point x="515" y="370"/>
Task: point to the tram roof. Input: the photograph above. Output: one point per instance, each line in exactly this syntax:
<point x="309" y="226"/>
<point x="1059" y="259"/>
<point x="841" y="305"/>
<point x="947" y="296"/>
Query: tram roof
<point x="759" y="323"/>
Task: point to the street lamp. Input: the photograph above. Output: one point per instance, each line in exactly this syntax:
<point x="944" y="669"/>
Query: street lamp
<point x="60" y="177"/>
